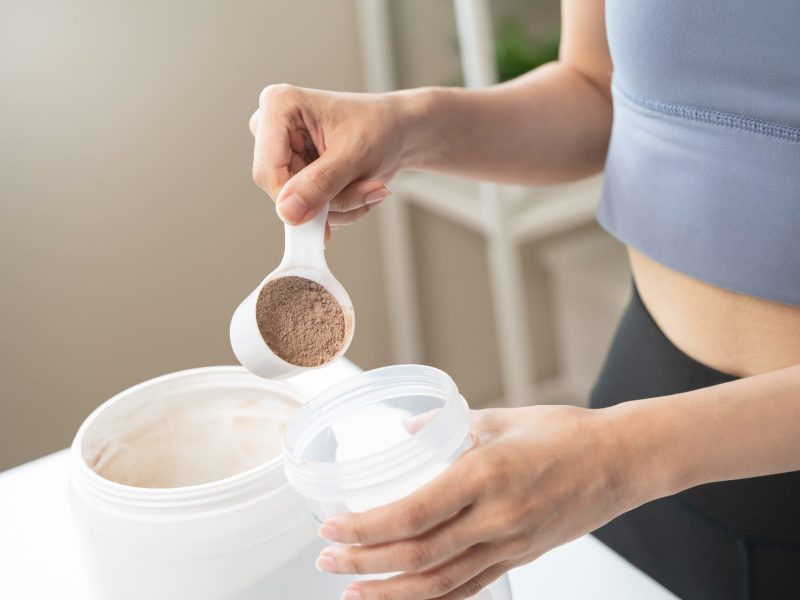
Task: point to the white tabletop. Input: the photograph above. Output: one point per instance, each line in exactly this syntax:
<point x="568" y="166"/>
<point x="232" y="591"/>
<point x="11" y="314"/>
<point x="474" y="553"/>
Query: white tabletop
<point x="40" y="558"/>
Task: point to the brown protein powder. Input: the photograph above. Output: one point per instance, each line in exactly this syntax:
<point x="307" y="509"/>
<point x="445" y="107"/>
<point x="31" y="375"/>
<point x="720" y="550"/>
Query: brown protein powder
<point x="300" y="321"/>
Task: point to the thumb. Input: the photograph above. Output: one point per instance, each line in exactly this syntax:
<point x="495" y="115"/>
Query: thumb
<point x="312" y="187"/>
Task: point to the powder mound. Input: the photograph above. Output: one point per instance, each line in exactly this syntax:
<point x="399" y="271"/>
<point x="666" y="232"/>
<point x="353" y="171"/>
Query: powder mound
<point x="300" y="321"/>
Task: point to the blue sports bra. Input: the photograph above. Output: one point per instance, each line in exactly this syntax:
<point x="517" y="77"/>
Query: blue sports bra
<point x="703" y="168"/>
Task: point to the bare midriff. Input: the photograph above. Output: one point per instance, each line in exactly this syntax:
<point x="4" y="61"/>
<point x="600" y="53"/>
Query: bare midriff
<point x="728" y="331"/>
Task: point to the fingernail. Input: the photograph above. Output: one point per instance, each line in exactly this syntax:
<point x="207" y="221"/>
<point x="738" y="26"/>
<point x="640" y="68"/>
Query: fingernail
<point x="376" y="196"/>
<point x="291" y="209"/>
<point x="326" y="562"/>
<point x="330" y="529"/>
<point x="351" y="595"/>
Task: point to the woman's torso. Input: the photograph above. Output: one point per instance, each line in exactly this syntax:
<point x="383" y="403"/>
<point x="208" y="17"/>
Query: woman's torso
<point x="730" y="332"/>
<point x="703" y="173"/>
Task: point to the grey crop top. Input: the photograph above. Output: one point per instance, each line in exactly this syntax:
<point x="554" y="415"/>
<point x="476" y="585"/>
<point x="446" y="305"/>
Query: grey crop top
<point x="703" y="168"/>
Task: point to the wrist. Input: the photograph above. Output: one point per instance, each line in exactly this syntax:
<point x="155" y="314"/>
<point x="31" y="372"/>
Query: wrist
<point x="420" y="127"/>
<point x="647" y="460"/>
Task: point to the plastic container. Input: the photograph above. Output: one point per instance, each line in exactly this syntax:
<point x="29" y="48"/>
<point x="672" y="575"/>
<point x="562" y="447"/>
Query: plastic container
<point x="233" y="529"/>
<point x="374" y="439"/>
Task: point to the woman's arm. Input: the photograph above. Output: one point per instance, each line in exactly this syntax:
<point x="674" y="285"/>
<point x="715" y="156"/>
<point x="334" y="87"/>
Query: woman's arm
<point x="541" y="476"/>
<point x="314" y="147"/>
<point x="745" y="428"/>
<point x="551" y="125"/>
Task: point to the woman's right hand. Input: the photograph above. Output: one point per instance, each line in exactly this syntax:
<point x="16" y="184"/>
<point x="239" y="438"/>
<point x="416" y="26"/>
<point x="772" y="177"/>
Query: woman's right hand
<point x="314" y="147"/>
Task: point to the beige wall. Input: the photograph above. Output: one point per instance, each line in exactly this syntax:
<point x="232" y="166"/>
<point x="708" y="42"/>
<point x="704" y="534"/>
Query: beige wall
<point x="129" y="225"/>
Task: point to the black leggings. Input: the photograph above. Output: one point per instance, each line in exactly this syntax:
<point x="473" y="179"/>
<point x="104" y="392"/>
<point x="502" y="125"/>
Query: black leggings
<point x="733" y="540"/>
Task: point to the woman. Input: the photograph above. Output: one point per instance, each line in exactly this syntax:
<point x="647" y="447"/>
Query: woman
<point x="685" y="463"/>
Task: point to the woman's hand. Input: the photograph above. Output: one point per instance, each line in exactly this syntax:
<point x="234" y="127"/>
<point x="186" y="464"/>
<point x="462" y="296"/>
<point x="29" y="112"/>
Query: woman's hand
<point x="314" y="147"/>
<point x="536" y="477"/>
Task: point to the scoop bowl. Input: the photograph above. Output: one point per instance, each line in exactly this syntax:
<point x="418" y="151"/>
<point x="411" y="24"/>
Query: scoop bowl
<point x="304" y="256"/>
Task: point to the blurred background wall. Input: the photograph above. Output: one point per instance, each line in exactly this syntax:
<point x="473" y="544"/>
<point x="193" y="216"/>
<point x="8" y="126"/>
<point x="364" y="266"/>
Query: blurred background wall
<point x="130" y="227"/>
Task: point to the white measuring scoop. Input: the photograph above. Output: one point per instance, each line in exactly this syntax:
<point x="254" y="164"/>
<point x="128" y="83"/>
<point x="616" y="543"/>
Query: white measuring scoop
<point x="303" y="256"/>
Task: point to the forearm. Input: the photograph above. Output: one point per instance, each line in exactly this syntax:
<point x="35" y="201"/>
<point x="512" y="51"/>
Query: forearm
<point x="549" y="126"/>
<point x="745" y="428"/>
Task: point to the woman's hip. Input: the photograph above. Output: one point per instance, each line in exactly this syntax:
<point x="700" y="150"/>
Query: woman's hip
<point x="733" y="539"/>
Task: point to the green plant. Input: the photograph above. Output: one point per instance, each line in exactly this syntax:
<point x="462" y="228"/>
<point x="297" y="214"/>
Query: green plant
<point x="517" y="53"/>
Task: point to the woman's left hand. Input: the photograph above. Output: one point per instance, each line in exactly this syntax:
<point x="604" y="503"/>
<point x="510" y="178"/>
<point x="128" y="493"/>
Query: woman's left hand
<point x="535" y="478"/>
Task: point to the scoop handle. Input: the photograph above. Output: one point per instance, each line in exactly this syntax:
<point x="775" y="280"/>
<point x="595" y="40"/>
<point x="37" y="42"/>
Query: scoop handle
<point x="304" y="245"/>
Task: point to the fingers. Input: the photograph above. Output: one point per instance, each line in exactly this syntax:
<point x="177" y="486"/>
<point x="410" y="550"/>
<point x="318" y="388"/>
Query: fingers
<point x="477" y="583"/>
<point x="487" y="425"/>
<point x="339" y="220"/>
<point x="273" y="154"/>
<point x="318" y="183"/>
<point x="304" y="165"/>
<point x="253" y="123"/>
<point x="436" y="546"/>
<point x="286" y="163"/>
<point x="354" y="201"/>
<point x="436" y="582"/>
<point x="431" y="505"/>
<point x="417" y="422"/>
<point x="359" y="193"/>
